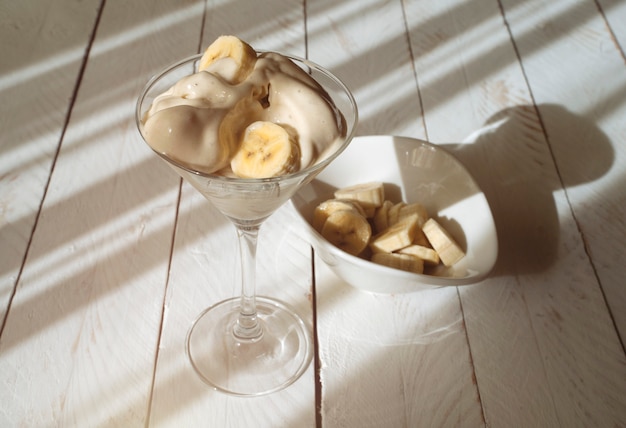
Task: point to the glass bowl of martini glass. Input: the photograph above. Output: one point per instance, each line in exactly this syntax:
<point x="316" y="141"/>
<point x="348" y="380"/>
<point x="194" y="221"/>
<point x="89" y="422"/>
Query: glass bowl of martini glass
<point x="250" y="345"/>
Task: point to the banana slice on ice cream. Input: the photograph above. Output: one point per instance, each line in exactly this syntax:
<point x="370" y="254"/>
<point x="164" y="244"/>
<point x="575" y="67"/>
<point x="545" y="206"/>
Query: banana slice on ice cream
<point x="230" y="48"/>
<point x="267" y="150"/>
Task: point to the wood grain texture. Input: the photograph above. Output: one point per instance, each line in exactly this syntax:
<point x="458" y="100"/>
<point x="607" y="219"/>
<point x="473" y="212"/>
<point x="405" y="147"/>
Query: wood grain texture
<point x="586" y="133"/>
<point x="364" y="44"/>
<point x="122" y="257"/>
<point x="385" y="360"/>
<point x="523" y="349"/>
<point x="89" y="303"/>
<point x="268" y="25"/>
<point x="585" y="129"/>
<point x="614" y="12"/>
<point x="397" y="360"/>
<point x="204" y="272"/>
<point x="42" y="53"/>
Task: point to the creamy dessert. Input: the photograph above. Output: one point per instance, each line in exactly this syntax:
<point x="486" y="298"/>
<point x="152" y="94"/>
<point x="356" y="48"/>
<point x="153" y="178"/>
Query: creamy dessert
<point x="244" y="114"/>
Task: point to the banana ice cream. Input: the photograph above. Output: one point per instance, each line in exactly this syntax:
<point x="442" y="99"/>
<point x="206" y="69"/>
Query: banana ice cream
<point x="244" y="115"/>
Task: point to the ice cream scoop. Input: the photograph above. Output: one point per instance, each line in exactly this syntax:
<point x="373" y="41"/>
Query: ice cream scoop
<point x="201" y="120"/>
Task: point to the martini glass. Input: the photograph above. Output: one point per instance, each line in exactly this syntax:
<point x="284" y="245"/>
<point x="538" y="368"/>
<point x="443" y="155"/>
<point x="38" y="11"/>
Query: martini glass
<point x="250" y="345"/>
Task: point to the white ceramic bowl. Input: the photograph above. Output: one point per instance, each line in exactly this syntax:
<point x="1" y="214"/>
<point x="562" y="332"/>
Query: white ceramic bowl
<point x="413" y="171"/>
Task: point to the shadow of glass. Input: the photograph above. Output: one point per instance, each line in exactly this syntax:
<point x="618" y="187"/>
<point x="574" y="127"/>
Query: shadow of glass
<point x="520" y="167"/>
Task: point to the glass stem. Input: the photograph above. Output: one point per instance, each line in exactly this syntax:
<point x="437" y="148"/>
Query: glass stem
<point x="248" y="328"/>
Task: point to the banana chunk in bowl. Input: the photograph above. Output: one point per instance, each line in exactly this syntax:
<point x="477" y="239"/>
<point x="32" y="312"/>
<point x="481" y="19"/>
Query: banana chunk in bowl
<point x="420" y="189"/>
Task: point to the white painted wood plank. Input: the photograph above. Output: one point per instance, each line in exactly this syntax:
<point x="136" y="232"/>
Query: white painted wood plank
<point x="203" y="273"/>
<point x="543" y="345"/>
<point x="80" y="341"/>
<point x="42" y="51"/>
<point x="79" y="345"/>
<point x="393" y="360"/>
<point x="584" y="119"/>
<point x="267" y="25"/>
<point x="386" y="360"/>
<point x="205" y="262"/>
<point x="614" y="12"/>
<point x="465" y="64"/>
<point x="364" y="43"/>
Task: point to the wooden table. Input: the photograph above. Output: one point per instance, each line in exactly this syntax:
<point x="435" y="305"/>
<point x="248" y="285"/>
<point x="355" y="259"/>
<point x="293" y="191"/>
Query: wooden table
<point x="106" y="258"/>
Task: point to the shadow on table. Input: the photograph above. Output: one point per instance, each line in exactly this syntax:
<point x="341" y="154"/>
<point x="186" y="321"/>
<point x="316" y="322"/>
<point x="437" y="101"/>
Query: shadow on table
<point x="522" y="167"/>
<point x="520" y="170"/>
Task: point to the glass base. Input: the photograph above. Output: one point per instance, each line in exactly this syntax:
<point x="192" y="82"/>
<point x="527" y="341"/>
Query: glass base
<point x="249" y="367"/>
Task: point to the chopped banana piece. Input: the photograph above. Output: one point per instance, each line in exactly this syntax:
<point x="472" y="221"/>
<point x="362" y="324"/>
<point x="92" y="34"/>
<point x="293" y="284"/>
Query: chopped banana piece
<point x="242" y="55"/>
<point x="347" y="230"/>
<point x="267" y="150"/>
<point x="396" y="237"/>
<point x="369" y="211"/>
<point x="428" y="255"/>
<point x="369" y="195"/>
<point x="421" y="239"/>
<point x="404" y="262"/>
<point x="405" y="237"/>
<point x="381" y="216"/>
<point x="413" y="208"/>
<point x="326" y="208"/>
<point x="394" y="213"/>
<point x="449" y="251"/>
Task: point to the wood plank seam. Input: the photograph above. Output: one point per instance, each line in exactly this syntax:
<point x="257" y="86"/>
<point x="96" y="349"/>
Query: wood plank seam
<point x="541" y="123"/>
<point x="412" y="58"/>
<point x="164" y="302"/>
<point x="66" y="122"/>
<point x="610" y="30"/>
<point x="471" y="358"/>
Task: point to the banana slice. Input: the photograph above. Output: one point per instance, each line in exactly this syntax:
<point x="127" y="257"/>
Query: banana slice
<point x="369" y="195"/>
<point x="242" y="56"/>
<point x="381" y="216"/>
<point x="394" y="213"/>
<point x="404" y="262"/>
<point x="396" y="237"/>
<point x="347" y="230"/>
<point x="405" y="237"/>
<point x="449" y="251"/>
<point x="420" y="238"/>
<point x="413" y="208"/>
<point x="267" y="150"/>
<point x="326" y="208"/>
<point x="428" y="255"/>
